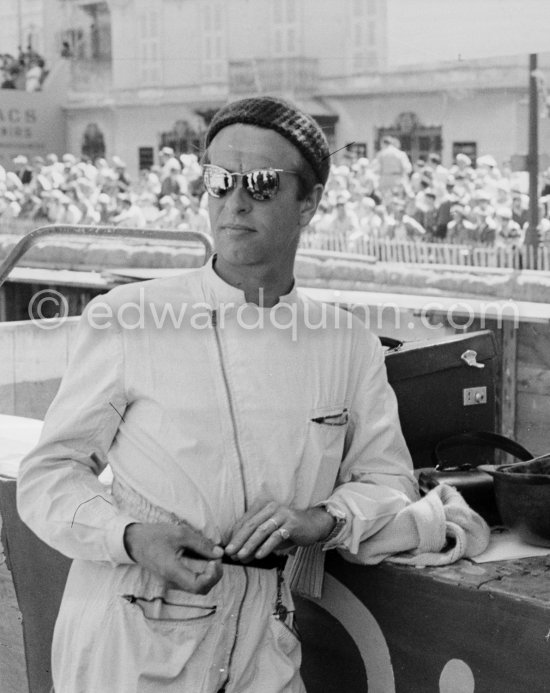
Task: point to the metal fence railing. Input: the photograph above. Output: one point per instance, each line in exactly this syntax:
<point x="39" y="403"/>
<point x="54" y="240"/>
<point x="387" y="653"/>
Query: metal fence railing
<point x="386" y="250"/>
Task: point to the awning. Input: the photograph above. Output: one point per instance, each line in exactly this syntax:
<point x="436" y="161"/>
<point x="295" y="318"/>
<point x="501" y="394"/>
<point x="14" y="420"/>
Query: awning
<point x="322" y="113"/>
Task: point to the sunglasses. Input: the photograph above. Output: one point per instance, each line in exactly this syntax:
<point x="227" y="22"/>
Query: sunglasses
<point x="260" y="184"/>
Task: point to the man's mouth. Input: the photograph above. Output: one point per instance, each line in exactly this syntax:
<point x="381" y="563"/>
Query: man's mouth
<point x="237" y="228"/>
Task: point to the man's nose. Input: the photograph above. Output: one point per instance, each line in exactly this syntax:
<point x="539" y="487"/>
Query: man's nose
<point x="238" y="199"/>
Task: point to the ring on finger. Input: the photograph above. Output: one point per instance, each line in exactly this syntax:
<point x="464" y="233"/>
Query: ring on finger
<point x="271" y="519"/>
<point x="285" y="534"/>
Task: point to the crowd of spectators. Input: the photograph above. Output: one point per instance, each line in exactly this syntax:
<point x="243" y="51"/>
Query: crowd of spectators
<point x="469" y="203"/>
<point x="76" y="191"/>
<point x="26" y="71"/>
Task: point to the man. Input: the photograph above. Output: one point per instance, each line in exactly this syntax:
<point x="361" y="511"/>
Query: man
<point x="393" y="168"/>
<point x="130" y="215"/>
<point x="235" y="434"/>
<point x="168" y="162"/>
<point x="508" y="232"/>
<point x="337" y="227"/>
<point x="23" y="170"/>
<point x="425" y="213"/>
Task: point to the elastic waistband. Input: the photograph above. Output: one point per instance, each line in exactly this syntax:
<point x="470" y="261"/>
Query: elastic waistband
<point x="139" y="507"/>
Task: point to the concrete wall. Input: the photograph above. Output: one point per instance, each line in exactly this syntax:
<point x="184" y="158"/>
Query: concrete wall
<point x="32" y="361"/>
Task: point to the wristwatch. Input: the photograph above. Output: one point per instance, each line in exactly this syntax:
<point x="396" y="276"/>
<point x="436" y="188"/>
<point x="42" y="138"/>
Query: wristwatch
<point x="341" y="521"/>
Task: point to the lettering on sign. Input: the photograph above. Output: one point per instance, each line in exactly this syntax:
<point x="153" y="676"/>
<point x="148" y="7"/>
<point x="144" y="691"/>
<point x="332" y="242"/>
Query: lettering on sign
<point x="17" y="116"/>
<point x="17" y="131"/>
<point x="18" y="127"/>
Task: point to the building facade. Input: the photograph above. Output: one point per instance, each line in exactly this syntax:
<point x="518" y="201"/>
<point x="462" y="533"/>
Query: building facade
<point x="149" y="73"/>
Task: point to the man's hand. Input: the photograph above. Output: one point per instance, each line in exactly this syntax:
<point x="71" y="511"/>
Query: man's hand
<point x="266" y="527"/>
<point x="178" y="553"/>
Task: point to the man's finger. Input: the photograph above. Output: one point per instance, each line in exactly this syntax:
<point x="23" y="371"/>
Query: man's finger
<point x="193" y="564"/>
<point x="275" y="541"/>
<point x="258" y="512"/>
<point x="193" y="542"/>
<point x="186" y="575"/>
<point x="263" y="533"/>
<point x="253" y="528"/>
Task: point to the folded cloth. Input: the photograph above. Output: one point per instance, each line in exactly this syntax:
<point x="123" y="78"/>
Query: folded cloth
<point x="438" y="529"/>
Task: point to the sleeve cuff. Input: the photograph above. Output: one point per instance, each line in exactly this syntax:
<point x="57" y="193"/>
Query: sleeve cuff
<point x="335" y="537"/>
<point x="115" y="540"/>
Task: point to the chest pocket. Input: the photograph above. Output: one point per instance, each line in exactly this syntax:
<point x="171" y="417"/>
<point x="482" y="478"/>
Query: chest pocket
<point x="324" y="447"/>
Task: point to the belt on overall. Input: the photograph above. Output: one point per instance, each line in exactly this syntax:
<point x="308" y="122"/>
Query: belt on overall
<point x="268" y="563"/>
<point x="133" y="502"/>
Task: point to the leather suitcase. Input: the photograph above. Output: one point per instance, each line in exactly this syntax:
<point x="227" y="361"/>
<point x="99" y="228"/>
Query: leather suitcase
<point x="444" y="387"/>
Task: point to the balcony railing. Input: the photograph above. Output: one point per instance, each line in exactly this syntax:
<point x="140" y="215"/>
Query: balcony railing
<point x="296" y="75"/>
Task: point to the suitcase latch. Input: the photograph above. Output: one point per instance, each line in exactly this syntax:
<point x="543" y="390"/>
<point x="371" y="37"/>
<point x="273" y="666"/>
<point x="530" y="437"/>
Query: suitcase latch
<point x="470" y="357"/>
<point x="474" y="395"/>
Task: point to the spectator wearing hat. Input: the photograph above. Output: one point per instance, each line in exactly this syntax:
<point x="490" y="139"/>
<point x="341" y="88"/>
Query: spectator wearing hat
<point x="483" y="216"/>
<point x="62" y="208"/>
<point x="543" y="228"/>
<point x="420" y="176"/>
<point x="130" y="214"/>
<point x="14" y="183"/>
<point x="392" y="166"/>
<point x="22" y="169"/>
<point x="502" y="193"/>
<point x="545" y="190"/>
<point x="439" y="175"/>
<point x="34" y="74"/>
<point x="12" y="72"/>
<point x="173" y="185"/>
<point x="122" y="177"/>
<point x="425" y="213"/>
<point x="443" y="216"/>
<point x="401" y="226"/>
<point x="363" y="174"/>
<point x="168" y="162"/>
<point x="194" y="214"/>
<point x="9" y="206"/>
<point x="149" y="182"/>
<point x="335" y="228"/>
<point x="508" y="234"/>
<point x="488" y="174"/>
<point x="460" y="229"/>
<point x="106" y="207"/>
<point x="462" y="166"/>
<point x="370" y="225"/>
<point x="520" y="208"/>
<point x="169" y="216"/>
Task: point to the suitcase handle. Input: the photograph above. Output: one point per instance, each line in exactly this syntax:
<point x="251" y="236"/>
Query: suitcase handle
<point x="480" y="439"/>
<point x="391" y="343"/>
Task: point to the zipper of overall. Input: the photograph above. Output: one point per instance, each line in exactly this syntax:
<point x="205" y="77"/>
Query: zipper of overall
<point x="241" y="467"/>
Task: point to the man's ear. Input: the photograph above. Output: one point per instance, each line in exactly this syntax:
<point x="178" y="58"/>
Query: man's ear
<point x="308" y="206"/>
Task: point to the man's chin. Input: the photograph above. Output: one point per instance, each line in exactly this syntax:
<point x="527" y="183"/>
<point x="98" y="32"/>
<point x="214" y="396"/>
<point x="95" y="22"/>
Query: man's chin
<point x="237" y="257"/>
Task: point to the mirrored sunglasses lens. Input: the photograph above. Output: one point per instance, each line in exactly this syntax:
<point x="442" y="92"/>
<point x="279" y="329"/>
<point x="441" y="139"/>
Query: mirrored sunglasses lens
<point x="217" y="181"/>
<point x="262" y="184"/>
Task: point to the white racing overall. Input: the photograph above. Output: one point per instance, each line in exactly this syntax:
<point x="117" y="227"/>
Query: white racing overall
<point x="203" y="405"/>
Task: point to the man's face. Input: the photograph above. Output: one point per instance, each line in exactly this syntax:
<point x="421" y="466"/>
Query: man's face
<point x="257" y="233"/>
